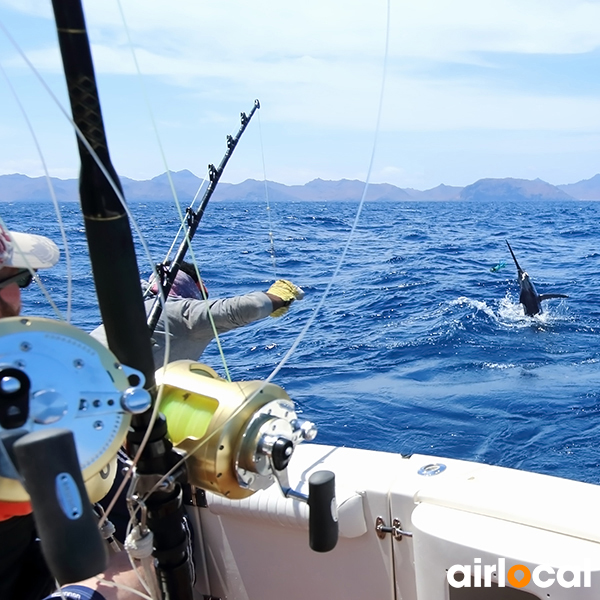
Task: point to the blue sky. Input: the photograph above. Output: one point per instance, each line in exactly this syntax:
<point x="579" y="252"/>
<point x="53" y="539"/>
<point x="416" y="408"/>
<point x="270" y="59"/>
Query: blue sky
<point x="474" y="88"/>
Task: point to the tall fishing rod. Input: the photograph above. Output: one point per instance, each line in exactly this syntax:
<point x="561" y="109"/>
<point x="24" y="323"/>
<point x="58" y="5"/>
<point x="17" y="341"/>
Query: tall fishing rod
<point x="167" y="275"/>
<point x="116" y="277"/>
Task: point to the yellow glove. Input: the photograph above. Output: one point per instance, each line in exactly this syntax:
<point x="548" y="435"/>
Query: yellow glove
<point x="288" y="292"/>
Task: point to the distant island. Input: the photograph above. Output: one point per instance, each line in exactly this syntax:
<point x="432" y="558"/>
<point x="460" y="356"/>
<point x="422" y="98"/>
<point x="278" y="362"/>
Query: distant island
<point x="21" y="188"/>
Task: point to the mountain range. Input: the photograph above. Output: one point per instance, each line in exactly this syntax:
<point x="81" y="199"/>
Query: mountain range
<point x="21" y="188"/>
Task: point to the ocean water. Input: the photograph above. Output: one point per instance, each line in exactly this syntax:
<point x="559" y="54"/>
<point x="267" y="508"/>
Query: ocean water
<point x="419" y="347"/>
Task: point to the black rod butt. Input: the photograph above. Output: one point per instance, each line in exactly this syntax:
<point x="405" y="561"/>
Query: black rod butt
<point x="67" y="526"/>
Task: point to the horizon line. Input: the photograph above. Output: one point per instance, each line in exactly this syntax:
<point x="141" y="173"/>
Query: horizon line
<point x="313" y="180"/>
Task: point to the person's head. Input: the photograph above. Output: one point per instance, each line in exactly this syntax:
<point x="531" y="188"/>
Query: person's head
<point x="186" y="284"/>
<point x="20" y="255"/>
<point x="190" y="269"/>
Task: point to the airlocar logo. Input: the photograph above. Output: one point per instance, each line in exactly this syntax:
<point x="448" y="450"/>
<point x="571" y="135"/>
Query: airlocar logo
<point x="518" y="576"/>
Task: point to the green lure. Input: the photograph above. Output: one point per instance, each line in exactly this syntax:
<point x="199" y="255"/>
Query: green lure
<point x="498" y="267"/>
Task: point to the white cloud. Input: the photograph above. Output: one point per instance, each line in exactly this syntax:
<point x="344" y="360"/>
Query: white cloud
<point x="269" y="30"/>
<point x="317" y="65"/>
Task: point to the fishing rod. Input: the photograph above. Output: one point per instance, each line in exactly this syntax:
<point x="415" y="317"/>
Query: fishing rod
<point x="167" y="275"/>
<point x="260" y="416"/>
<point x="116" y="278"/>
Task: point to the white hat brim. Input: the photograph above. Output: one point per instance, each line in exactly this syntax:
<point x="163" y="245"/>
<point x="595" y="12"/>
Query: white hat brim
<point x="31" y="251"/>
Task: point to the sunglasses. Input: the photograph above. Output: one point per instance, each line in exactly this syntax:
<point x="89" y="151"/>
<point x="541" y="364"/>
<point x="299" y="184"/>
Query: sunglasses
<point x="23" y="278"/>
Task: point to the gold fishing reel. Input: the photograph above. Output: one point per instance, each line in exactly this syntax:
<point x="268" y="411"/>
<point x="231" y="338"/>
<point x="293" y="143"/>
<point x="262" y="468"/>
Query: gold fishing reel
<point x="239" y="436"/>
<point x="55" y="376"/>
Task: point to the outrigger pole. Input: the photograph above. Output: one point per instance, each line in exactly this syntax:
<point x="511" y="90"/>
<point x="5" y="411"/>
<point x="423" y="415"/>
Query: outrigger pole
<point x="116" y="277"/>
<point x="167" y="274"/>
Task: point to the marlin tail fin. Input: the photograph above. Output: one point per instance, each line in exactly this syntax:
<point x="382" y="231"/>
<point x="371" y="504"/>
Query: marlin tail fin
<point x="549" y="296"/>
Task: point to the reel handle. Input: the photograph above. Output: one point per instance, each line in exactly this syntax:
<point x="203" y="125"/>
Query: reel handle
<point x="322" y="521"/>
<point x="68" y="529"/>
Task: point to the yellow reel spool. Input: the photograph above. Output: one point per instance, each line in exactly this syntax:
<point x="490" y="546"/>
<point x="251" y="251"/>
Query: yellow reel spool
<point x="200" y="405"/>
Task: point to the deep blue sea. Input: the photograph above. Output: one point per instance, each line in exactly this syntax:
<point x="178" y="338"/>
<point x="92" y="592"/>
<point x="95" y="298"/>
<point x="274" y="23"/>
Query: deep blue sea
<point x="419" y="347"/>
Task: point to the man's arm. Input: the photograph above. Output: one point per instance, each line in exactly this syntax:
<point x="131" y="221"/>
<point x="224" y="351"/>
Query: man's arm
<point x="231" y="313"/>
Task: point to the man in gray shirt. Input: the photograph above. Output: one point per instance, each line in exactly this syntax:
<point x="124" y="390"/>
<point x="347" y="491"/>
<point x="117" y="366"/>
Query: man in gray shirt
<point x="189" y="314"/>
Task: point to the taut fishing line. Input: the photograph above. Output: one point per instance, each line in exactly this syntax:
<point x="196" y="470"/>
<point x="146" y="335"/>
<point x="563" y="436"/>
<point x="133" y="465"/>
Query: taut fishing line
<point x="271" y="240"/>
<point x="312" y="318"/>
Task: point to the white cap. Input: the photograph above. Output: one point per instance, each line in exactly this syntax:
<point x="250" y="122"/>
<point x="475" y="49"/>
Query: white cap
<point x="26" y="250"/>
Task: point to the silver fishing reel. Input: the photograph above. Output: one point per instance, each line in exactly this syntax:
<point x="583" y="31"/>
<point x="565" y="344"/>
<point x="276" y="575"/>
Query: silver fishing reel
<point x="54" y="376"/>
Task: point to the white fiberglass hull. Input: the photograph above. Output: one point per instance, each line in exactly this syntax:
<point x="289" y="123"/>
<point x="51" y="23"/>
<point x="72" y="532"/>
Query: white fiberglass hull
<point x="467" y="514"/>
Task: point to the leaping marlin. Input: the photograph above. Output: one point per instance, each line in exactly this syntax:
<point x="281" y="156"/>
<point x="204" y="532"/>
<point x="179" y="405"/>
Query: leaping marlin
<point x="529" y="298"/>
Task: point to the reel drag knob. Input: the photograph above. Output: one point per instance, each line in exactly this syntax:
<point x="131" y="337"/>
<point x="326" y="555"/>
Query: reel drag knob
<point x="281" y="453"/>
<point x="14" y="398"/>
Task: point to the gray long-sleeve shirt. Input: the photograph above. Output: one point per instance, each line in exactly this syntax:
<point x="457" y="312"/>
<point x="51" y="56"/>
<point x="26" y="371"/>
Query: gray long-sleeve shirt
<point x="190" y="327"/>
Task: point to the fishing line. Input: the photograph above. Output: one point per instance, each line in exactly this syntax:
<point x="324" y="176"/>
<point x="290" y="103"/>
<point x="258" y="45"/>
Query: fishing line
<point x="146" y="250"/>
<point x="149" y="107"/>
<point x="312" y="318"/>
<point x="182" y="225"/>
<point x="56" y="209"/>
<point x="271" y="240"/>
<point x="304" y="330"/>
